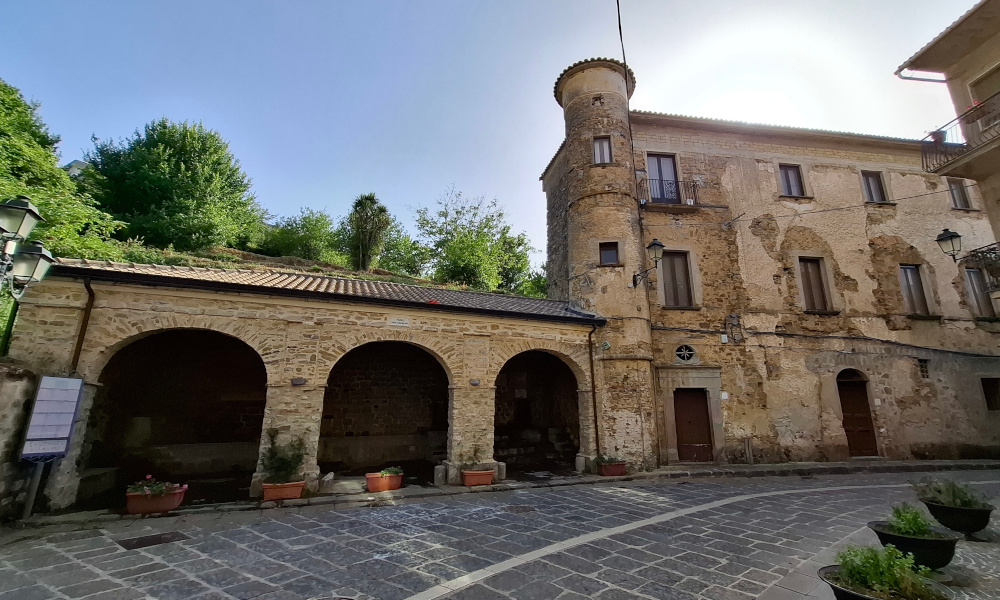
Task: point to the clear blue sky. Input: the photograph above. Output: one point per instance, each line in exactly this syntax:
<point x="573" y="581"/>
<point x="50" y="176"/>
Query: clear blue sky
<point x="322" y="101"/>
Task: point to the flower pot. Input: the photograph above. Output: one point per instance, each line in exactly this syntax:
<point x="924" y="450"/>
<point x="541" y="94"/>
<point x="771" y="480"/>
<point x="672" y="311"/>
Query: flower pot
<point x="283" y="491"/>
<point x="841" y="593"/>
<point x="611" y="470"/>
<point x="138" y="503"/>
<point x="933" y="552"/>
<point x="471" y="478"/>
<point x="966" y="520"/>
<point x="378" y="482"/>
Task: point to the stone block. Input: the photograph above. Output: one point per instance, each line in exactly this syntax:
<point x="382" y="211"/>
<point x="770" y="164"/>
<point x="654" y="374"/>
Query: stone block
<point x="326" y="483"/>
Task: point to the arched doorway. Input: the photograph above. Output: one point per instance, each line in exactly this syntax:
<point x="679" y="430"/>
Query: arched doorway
<point x="183" y="405"/>
<point x="852" y="386"/>
<point x="537" y="416"/>
<point x="386" y="404"/>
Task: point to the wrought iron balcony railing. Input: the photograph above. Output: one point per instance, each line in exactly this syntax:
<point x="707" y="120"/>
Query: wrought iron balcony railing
<point x="987" y="260"/>
<point x="970" y="130"/>
<point x="668" y="191"/>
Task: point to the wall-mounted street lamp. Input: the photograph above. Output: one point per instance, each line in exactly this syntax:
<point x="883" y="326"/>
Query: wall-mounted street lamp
<point x="950" y="242"/>
<point x="655" y="252"/>
<point x="21" y="263"/>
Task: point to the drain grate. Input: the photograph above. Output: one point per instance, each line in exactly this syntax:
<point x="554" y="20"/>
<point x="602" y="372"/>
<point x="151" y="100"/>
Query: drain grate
<point x="518" y="508"/>
<point x="152" y="540"/>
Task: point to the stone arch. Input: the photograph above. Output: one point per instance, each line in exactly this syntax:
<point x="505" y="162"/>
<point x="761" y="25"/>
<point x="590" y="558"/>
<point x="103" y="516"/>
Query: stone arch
<point x="574" y="356"/>
<point x="851" y="374"/>
<point x="117" y="333"/>
<point x="447" y="353"/>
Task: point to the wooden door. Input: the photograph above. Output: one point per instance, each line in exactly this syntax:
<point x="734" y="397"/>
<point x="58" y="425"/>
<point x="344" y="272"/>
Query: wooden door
<point x="694" y="427"/>
<point x="857" y="418"/>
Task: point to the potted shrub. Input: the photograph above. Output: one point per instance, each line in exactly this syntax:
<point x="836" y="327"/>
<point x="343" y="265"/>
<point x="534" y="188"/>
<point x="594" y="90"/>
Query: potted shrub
<point x="954" y="505"/>
<point x="282" y="463"/>
<point x="910" y="531"/>
<point x="151" y="496"/>
<point x="472" y="475"/>
<point x="385" y="480"/>
<point x="609" y="466"/>
<point x="868" y="573"/>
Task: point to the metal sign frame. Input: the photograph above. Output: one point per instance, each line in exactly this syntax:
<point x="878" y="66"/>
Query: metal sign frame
<point x="53" y="418"/>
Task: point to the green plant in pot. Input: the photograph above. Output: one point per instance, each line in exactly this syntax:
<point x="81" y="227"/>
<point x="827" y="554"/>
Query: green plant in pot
<point x="472" y="474"/>
<point x="385" y="480"/>
<point x="885" y="573"/>
<point x="909" y="530"/>
<point x="955" y="505"/>
<point x="282" y="464"/>
<point x="609" y="466"/>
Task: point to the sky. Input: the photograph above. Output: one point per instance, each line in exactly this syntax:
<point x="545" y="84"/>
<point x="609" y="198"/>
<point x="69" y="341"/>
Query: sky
<point x="324" y="100"/>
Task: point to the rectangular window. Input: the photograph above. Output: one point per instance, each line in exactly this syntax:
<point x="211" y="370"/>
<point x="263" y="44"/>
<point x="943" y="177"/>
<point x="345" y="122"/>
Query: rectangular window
<point x="791" y="180"/>
<point x="991" y="391"/>
<point x="923" y="365"/>
<point x="985" y="90"/>
<point x="959" y="195"/>
<point x="662" y="169"/>
<point x="676" y="279"/>
<point x="609" y="253"/>
<point x="914" y="301"/>
<point x="813" y="290"/>
<point x="979" y="295"/>
<point x="874" y="190"/>
<point x="602" y="150"/>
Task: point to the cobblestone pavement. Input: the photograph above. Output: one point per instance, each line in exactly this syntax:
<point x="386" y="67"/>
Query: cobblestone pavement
<point x="726" y="539"/>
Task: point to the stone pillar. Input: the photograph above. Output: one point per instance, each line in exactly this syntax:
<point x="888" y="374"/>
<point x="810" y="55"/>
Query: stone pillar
<point x="294" y="411"/>
<point x="64" y="474"/>
<point x="588" y="441"/>
<point x="470" y="430"/>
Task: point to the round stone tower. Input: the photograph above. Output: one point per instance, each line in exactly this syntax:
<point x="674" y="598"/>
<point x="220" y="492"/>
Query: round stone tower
<point x="593" y="211"/>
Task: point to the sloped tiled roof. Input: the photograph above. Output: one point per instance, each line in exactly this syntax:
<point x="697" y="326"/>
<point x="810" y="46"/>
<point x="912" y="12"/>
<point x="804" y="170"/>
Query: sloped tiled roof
<point x="968" y="32"/>
<point x="324" y="287"/>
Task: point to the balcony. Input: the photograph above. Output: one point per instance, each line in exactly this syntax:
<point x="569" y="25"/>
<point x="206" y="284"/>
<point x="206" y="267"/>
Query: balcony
<point x="968" y="146"/>
<point x="682" y="195"/>
<point x="987" y="260"/>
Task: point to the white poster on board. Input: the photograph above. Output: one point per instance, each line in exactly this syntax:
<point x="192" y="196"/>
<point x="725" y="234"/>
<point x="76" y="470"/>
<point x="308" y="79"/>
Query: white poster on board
<point x="50" y="426"/>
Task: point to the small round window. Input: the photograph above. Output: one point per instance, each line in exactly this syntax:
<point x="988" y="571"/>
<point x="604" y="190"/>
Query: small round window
<point x="684" y="353"/>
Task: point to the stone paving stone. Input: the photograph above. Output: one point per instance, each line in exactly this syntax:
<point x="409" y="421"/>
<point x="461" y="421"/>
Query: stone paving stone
<point x="250" y="589"/>
<point x="119" y="594"/>
<point x="34" y="592"/>
<point x="177" y="590"/>
<point x="663" y="591"/>
<point x="581" y="584"/>
<point x="80" y="590"/>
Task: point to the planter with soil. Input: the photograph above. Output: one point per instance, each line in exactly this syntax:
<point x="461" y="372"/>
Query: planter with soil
<point x="140" y="503"/>
<point x="612" y="469"/>
<point x="934" y="591"/>
<point x="933" y="550"/>
<point x="283" y="491"/>
<point x="385" y="480"/>
<point x="471" y="478"/>
<point x="967" y="520"/>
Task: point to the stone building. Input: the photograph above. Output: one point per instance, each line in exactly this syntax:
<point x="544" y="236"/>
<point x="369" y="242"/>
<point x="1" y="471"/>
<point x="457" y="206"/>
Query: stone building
<point x="802" y="310"/>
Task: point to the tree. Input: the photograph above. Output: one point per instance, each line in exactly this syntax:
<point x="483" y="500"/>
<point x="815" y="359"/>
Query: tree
<point x="73" y="225"/>
<point x="366" y="226"/>
<point x="535" y="284"/>
<point x="175" y="184"/>
<point x="472" y="243"/>
<point x="312" y="234"/>
<point x="403" y="254"/>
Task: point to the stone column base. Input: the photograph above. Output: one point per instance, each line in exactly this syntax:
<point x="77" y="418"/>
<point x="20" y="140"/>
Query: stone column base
<point x="451" y="473"/>
<point x="583" y="463"/>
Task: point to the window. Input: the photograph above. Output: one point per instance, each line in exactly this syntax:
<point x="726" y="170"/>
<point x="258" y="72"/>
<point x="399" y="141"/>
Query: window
<point x="991" y="391"/>
<point x="874" y="190"/>
<point x="676" y="279"/>
<point x="979" y="295"/>
<point x="923" y="365"/>
<point x="609" y="253"/>
<point x="602" y="150"/>
<point x="982" y="90"/>
<point x="914" y="301"/>
<point x="684" y="353"/>
<point x="791" y="180"/>
<point x="662" y="178"/>
<point x="813" y="291"/>
<point x="959" y="195"/>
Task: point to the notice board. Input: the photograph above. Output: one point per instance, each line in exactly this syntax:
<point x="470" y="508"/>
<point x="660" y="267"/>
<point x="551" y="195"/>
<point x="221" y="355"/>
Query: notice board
<point x="50" y="426"/>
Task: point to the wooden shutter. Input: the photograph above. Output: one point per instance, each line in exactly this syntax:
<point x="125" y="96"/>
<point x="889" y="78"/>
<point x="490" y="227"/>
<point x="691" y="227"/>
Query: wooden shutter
<point x="975" y="284"/>
<point x="959" y="195"/>
<point x="791" y="180"/>
<point x="914" y="300"/>
<point x="874" y="190"/>
<point x="813" y="291"/>
<point x="676" y="279"/>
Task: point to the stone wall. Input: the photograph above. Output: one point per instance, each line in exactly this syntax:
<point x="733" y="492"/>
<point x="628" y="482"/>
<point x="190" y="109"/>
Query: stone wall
<point x="17" y="388"/>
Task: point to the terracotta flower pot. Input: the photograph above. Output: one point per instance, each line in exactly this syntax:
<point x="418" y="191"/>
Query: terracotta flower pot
<point x="471" y="478"/>
<point x="934" y="551"/>
<point x="378" y="482"/>
<point x="138" y="503"/>
<point x="611" y="470"/>
<point x="283" y="491"/>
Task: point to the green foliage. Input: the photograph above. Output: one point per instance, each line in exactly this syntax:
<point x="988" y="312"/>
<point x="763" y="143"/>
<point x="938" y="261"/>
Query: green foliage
<point x="907" y="519"/>
<point x="282" y="462"/>
<point x="152" y="487"/>
<point x="311" y="235"/>
<point x="472" y="243"/>
<point x="601" y="460"/>
<point x="365" y="228"/>
<point x="403" y="254"/>
<point x="73" y="225"/>
<point x="175" y="184"/>
<point x="535" y="284"/>
<point x="391" y="471"/>
<point x="883" y="573"/>
<point x="948" y="493"/>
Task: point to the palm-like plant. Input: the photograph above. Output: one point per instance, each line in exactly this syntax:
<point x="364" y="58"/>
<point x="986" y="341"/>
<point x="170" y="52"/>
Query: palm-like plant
<point x="367" y="225"/>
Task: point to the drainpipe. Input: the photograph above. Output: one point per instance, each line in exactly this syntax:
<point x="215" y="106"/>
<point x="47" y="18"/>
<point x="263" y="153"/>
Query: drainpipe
<point x="901" y="75"/>
<point x="84" y="322"/>
<point x="593" y="387"/>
